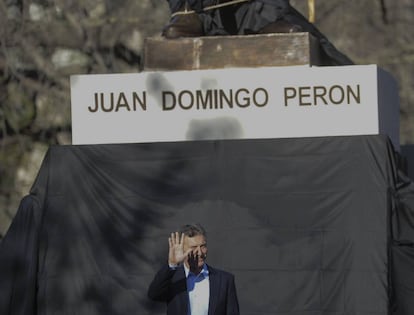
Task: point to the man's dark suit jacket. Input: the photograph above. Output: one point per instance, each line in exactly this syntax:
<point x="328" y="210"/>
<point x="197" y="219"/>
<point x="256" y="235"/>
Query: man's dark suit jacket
<point x="170" y="286"/>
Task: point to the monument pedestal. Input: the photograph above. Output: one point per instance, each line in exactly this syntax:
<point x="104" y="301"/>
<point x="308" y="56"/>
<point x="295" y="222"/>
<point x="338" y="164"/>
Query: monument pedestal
<point x="234" y="87"/>
<point x="269" y="50"/>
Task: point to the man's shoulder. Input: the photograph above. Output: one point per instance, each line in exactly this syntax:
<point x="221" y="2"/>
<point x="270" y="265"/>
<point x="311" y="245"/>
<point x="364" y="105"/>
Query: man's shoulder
<point x="220" y="272"/>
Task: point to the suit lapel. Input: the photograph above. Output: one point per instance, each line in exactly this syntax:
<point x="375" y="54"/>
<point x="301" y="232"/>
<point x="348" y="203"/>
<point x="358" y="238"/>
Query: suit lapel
<point x="214" y="278"/>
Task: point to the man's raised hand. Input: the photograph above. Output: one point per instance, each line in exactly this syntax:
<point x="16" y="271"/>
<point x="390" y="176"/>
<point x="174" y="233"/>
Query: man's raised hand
<point x="176" y="254"/>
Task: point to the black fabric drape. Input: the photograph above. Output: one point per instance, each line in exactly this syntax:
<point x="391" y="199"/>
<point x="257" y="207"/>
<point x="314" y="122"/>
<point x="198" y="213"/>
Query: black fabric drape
<point x="18" y="260"/>
<point x="250" y="18"/>
<point x="308" y="226"/>
<point x="402" y="248"/>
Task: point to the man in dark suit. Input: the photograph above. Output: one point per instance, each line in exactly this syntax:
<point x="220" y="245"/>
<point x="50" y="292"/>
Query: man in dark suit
<point x="187" y="284"/>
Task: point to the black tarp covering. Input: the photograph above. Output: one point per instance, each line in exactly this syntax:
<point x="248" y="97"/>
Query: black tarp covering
<point x="315" y="226"/>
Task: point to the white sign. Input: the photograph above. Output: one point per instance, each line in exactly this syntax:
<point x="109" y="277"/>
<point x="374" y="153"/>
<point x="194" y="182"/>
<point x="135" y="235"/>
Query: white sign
<point x="239" y="103"/>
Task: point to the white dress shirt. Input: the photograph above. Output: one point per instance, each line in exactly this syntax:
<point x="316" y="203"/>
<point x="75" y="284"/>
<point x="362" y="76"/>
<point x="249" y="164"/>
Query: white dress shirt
<point x="198" y="287"/>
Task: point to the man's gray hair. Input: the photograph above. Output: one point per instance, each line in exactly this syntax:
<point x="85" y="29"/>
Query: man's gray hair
<point x="193" y="229"/>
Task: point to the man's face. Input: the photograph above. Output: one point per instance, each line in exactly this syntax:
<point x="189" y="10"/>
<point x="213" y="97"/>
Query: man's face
<point x="198" y="245"/>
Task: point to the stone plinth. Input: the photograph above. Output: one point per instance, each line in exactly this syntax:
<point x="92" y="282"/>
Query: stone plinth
<point x="230" y="52"/>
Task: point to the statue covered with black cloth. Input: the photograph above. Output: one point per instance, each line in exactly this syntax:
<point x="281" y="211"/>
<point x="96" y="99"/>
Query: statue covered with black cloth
<point x="194" y="18"/>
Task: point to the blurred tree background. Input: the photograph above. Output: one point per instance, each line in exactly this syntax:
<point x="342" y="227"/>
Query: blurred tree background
<point x="43" y="42"/>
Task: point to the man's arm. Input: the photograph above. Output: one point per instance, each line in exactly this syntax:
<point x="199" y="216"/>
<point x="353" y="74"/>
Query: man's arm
<point x="160" y="287"/>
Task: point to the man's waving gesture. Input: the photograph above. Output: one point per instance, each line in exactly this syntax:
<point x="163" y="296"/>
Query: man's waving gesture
<point x="187" y="284"/>
<point x="176" y="253"/>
